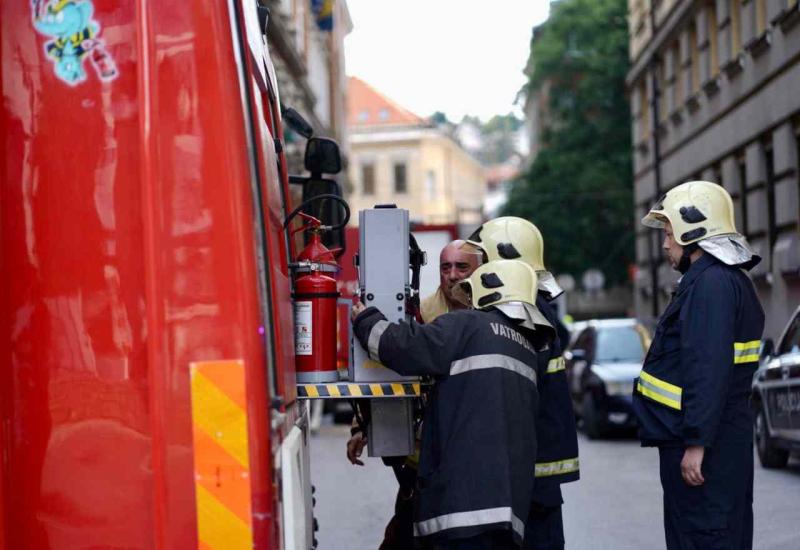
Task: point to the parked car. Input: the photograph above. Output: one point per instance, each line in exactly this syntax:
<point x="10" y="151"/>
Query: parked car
<point x="776" y="397"/>
<point x="602" y="363"/>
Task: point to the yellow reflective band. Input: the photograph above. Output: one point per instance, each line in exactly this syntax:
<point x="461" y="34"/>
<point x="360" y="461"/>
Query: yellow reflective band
<point x="746" y="352"/>
<point x="672" y="388"/>
<point x="655" y="396"/>
<point x="659" y="390"/>
<point x="555" y="365"/>
<point x="333" y="390"/>
<point x="376" y="389"/>
<point x="752" y="344"/>
<point x="559" y="467"/>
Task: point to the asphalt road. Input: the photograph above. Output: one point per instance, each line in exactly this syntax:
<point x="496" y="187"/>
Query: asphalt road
<point x="616" y="505"/>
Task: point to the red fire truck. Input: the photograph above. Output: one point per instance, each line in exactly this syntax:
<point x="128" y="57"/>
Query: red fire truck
<point x="148" y="394"/>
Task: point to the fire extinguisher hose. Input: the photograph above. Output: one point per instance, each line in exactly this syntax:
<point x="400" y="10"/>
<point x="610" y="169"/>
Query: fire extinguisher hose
<point x="335" y="198"/>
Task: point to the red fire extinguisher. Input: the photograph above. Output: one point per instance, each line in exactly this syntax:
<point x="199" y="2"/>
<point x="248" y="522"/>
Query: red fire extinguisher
<point x="315" y="309"/>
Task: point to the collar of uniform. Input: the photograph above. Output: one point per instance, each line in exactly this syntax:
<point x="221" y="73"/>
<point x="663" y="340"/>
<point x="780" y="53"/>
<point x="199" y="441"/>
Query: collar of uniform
<point x="701" y="264"/>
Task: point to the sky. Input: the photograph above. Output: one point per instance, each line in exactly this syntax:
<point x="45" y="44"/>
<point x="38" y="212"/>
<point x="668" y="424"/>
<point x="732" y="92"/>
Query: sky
<point x="459" y="57"/>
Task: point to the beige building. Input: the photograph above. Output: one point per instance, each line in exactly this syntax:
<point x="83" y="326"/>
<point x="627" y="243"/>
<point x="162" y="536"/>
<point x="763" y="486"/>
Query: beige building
<point x="398" y="157"/>
<point x="715" y="95"/>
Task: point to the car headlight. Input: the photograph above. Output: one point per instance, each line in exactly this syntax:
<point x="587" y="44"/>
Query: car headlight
<point x="619" y="388"/>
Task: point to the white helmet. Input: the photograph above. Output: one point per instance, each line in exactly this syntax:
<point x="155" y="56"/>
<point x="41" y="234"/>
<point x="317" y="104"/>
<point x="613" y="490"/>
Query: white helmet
<point x="702" y="212"/>
<point x="512" y="238"/>
<point x="508" y="285"/>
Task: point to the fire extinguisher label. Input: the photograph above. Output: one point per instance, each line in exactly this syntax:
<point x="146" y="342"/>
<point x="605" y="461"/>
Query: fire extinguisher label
<point x="302" y="328"/>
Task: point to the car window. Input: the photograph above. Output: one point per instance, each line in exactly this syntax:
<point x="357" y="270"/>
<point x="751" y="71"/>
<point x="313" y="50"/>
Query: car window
<point x="791" y="342"/>
<point x="619" y="345"/>
<point x="582" y="341"/>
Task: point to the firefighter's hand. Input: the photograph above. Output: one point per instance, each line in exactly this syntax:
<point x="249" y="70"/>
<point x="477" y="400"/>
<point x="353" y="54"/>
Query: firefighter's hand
<point x="355" y="447"/>
<point x="692" y="464"/>
<point x="358" y="307"/>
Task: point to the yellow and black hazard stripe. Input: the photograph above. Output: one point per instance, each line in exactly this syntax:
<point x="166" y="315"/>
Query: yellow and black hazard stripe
<point x="351" y="390"/>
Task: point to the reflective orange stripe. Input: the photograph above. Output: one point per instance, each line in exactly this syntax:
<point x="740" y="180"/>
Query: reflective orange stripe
<point x="221" y="455"/>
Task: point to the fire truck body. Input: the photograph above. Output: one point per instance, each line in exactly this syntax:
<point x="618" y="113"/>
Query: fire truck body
<point x="147" y="394"/>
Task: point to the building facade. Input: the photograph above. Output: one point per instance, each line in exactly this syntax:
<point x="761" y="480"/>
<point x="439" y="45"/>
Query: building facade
<point x="715" y="95"/>
<point x="398" y="157"/>
<point x="306" y="42"/>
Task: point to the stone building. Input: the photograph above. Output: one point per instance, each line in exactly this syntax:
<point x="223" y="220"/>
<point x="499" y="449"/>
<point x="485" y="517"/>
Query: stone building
<point x="715" y="95"/>
<point x="306" y="42"/>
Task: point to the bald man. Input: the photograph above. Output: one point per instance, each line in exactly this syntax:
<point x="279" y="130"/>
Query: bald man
<point x="455" y="264"/>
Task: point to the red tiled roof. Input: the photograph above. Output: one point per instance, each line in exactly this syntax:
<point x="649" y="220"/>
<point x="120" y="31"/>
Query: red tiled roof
<point x="366" y="106"/>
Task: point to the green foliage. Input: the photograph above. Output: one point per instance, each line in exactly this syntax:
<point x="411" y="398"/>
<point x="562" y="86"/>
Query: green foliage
<point x="579" y="188"/>
<point x="438" y="118"/>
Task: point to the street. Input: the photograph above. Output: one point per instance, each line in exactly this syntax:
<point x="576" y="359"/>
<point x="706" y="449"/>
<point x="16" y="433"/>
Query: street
<point x="616" y="505"/>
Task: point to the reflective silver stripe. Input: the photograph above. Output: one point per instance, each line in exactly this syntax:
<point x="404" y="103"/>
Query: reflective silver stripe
<point x="559" y="467"/>
<point x="469" y="519"/>
<point x="374" y="339"/>
<point x="491" y="361"/>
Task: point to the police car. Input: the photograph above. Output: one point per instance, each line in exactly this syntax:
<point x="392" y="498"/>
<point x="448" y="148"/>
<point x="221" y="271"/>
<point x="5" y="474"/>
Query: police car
<point x="776" y="397"/>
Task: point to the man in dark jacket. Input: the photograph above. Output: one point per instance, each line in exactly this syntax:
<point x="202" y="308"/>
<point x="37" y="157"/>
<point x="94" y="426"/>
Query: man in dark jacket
<point x="557" y="441"/>
<point x="478" y="437"/>
<point x="691" y="398"/>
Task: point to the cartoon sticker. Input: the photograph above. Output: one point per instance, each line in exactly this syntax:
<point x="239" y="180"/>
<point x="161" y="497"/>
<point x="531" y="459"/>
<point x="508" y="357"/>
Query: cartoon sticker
<point x="74" y="37"/>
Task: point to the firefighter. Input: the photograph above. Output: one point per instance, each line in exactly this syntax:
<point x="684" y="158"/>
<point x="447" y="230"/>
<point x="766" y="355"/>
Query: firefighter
<point x="557" y="460"/>
<point x="691" y="398"/>
<point x="455" y="265"/>
<point x="478" y="442"/>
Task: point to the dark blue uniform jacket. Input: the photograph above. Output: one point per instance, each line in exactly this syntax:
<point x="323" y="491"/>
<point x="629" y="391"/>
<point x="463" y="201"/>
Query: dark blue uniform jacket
<point x="478" y="436"/>
<point x="557" y="460"/>
<point x="695" y="383"/>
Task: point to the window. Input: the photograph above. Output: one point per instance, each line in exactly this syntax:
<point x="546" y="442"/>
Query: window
<point x="770" y="166"/>
<point x="678" y="70"/>
<point x="383" y="114"/>
<point x="716" y="174"/>
<point x="761" y="16"/>
<point x="644" y="110"/>
<point x="363" y="115"/>
<point x="791" y="342"/>
<point x="741" y="164"/>
<point x="400" y="178"/>
<point x="713" y="51"/>
<point x="430" y="184"/>
<point x="694" y="59"/>
<point x="619" y="345"/>
<point x="735" y="9"/>
<point x="662" y="86"/>
<point x="368" y="179"/>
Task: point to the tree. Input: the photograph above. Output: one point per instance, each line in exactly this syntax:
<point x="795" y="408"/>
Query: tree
<point x="579" y="188"/>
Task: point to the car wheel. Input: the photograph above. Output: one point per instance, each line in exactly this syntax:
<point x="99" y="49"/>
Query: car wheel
<point x="769" y="455"/>
<point x="593" y="423"/>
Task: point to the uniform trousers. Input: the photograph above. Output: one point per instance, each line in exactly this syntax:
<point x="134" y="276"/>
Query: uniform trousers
<point x="491" y="540"/>
<point x="717" y="515"/>
<point x="544" y="529"/>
